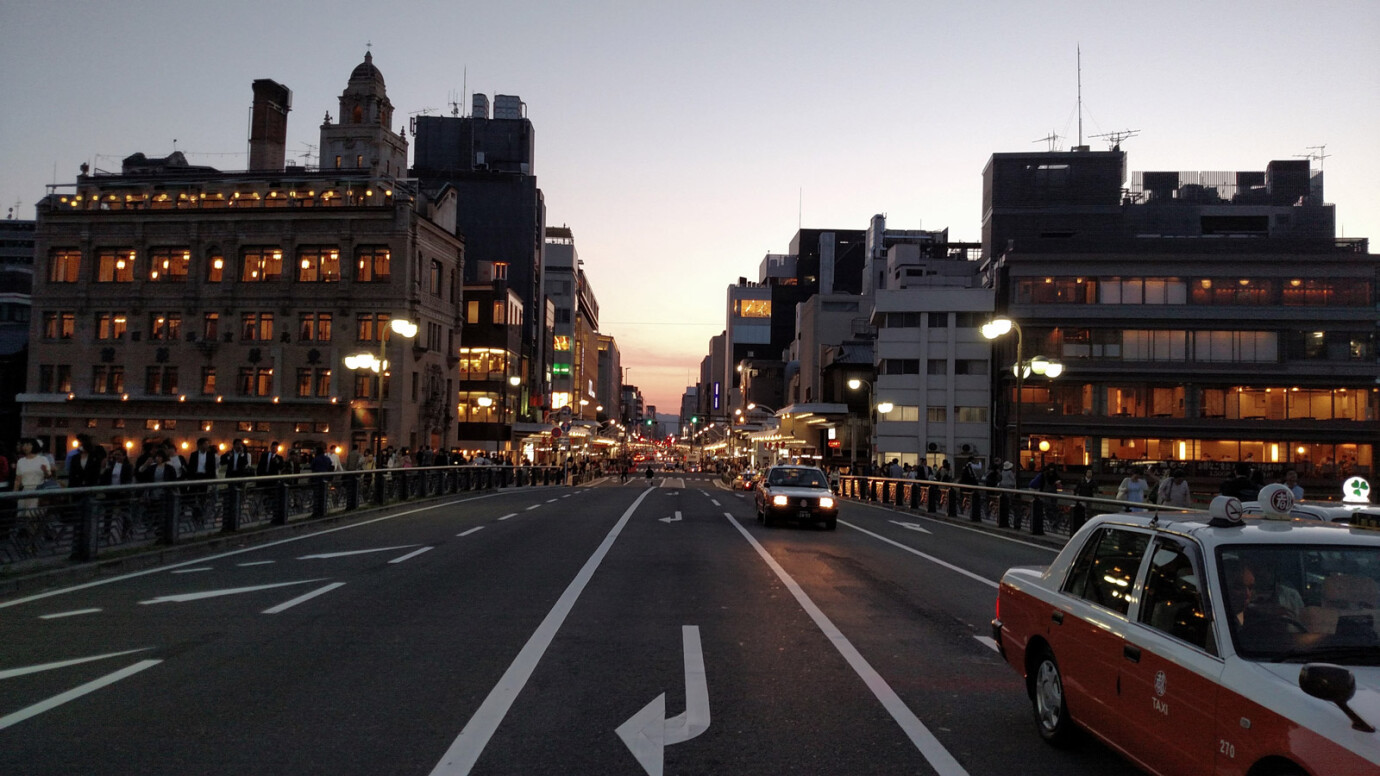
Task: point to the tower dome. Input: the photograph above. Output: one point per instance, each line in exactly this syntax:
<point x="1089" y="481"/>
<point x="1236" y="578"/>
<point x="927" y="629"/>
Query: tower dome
<point x="365" y="73"/>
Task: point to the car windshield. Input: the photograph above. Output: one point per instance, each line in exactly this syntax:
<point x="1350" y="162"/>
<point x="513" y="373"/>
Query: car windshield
<point x="1302" y="602"/>
<point x="797" y="478"/>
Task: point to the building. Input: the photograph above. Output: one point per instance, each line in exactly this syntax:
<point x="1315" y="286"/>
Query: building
<point x="174" y="301"/>
<point x="16" y="280"/>
<point x="1202" y="318"/>
<point x="489" y="370"/>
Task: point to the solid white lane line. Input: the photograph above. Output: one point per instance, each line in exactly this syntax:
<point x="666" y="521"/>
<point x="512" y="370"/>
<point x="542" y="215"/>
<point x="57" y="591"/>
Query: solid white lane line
<point x="184" y="597"/>
<point x="476" y="528"/>
<point x="73" y="613"/>
<point x="74" y="693"/>
<point x="257" y="563"/>
<point x="934" y="752"/>
<point x="464" y="751"/>
<point x="304" y="597"/>
<point x="930" y="558"/>
<point x="266" y="545"/>
<point x="192" y="571"/>
<point x="510" y="514"/>
<point x="411" y="555"/>
<point x="534" y="506"/>
<point x="13" y="672"/>
<point x="355" y="552"/>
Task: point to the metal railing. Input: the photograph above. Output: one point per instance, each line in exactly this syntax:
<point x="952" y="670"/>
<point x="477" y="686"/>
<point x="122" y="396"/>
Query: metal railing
<point x="86" y="523"/>
<point x="1037" y="512"/>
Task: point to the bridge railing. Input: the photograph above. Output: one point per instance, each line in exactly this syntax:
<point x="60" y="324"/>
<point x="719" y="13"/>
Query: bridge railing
<point x="87" y="523"/>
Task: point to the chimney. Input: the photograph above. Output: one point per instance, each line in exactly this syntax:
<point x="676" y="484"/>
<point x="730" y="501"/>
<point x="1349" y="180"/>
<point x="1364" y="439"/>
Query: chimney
<point x="268" y="125"/>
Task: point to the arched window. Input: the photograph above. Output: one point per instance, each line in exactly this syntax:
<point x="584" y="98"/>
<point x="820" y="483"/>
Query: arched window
<point x="357" y="115"/>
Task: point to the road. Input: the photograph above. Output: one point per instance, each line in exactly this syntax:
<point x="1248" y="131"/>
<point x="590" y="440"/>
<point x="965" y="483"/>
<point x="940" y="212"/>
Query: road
<point x="605" y="629"/>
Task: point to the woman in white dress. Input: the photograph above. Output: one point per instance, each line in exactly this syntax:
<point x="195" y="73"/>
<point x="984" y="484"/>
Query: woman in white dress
<point x="32" y="469"/>
<point x="1133" y="488"/>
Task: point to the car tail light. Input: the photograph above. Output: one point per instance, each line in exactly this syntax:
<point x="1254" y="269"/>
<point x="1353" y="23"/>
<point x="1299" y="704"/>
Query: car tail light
<point x="826" y="503"/>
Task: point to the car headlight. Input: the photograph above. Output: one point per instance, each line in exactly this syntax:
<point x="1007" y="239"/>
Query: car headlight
<point x="780" y="501"/>
<point x="826" y="503"/>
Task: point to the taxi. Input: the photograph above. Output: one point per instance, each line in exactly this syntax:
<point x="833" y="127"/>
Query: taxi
<point x="1355" y="503"/>
<point x="1206" y="643"/>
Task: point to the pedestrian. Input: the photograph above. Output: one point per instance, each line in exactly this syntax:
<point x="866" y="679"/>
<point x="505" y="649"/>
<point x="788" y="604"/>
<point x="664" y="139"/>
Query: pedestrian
<point x="971" y="470"/>
<point x="1291" y="481"/>
<point x="31" y="471"/>
<point x="1241" y="486"/>
<point x="1133" y="489"/>
<point x="237" y="462"/>
<point x="270" y="462"/>
<point x="1008" y="476"/>
<point x="945" y="473"/>
<point x="203" y="463"/>
<point x="84" y="467"/>
<point x="1174" y="490"/>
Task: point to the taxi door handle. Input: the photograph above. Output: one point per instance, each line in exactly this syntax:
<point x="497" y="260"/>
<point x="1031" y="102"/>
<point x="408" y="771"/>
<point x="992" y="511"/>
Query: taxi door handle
<point x="1058" y="617"/>
<point x="1131" y="653"/>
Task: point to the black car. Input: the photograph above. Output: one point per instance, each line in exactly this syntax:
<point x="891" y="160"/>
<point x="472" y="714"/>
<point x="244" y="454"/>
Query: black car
<point x="796" y="493"/>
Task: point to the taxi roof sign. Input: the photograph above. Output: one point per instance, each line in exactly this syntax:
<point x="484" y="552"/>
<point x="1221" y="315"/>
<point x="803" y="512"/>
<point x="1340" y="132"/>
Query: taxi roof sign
<point x="1356" y="491"/>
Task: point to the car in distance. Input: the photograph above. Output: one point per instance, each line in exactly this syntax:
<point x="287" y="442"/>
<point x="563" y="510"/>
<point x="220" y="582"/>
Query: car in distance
<point x="1197" y="645"/>
<point x="744" y="480"/>
<point x="796" y="493"/>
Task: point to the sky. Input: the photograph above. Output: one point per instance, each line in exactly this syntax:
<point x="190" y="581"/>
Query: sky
<point x="682" y="142"/>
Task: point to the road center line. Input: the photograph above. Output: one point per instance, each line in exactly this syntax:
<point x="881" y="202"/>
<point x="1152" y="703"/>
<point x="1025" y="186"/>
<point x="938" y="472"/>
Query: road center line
<point x="26" y="670"/>
<point x="529" y="509"/>
<point x="930" y="558"/>
<point x="72" y="613"/>
<point x="478" y="528"/>
<point x="411" y="555"/>
<point x="74" y="693"/>
<point x="464" y="751"/>
<point x="304" y="597"/>
<point x="257" y="563"/>
<point x="191" y="571"/>
<point x="934" y="752"/>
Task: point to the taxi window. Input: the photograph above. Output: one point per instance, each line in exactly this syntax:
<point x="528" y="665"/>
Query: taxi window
<point x="801" y="478"/>
<point x="1106" y="568"/>
<point x="1173" y="599"/>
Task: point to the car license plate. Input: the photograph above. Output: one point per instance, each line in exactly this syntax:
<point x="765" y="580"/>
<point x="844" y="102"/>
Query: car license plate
<point x="804" y="514"/>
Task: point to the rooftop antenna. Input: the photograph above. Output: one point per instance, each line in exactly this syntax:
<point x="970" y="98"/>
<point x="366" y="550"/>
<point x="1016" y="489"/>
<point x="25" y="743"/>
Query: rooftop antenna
<point x="1115" y="138"/>
<point x="1080" y="94"/>
<point x="1318" y="152"/>
<point x="307" y="154"/>
<point x="1052" y="138"/>
<point x="454" y="104"/>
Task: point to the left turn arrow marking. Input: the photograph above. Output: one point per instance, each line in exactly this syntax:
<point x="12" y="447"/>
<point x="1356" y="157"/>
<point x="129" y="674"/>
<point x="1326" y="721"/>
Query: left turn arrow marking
<point x="648" y="732"/>
<point x="669" y="520"/>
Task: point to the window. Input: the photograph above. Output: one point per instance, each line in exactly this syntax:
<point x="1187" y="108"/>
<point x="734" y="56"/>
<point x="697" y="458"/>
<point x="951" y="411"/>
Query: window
<point x="255" y="381"/>
<point x="314" y="327"/>
<point x="313" y="382"/>
<point x="261" y="264"/>
<point x="318" y="265"/>
<point x="483" y="364"/>
<point x="937" y="414"/>
<point x="970" y="414"/>
<point x="374" y="265"/>
<point x="165" y="326"/>
<point x="433" y="336"/>
<point x="208" y="380"/>
<point x="471" y="312"/>
<point x="1106" y="568"/>
<point x="370" y="327"/>
<point x="111" y="326"/>
<point x="938" y="320"/>
<point x="107" y="379"/>
<point x="937" y="366"/>
<point x="115" y="266"/>
<point x="54" y="378"/>
<point x="500" y="313"/>
<point x="256" y="327"/>
<point x="752" y="308"/>
<point x="902" y="413"/>
<point x="970" y="320"/>
<point x="500" y="270"/>
<point x="434" y="281"/>
<point x="970" y="366"/>
<point x="561" y="342"/>
<point x="59" y="325"/>
<point x="160" y="381"/>
<point x="63" y="264"/>
<point x="169" y="264"/>
<point x="562" y="315"/>
<point x="210" y="327"/>
<point x="901" y="366"/>
<point x="1173" y="602"/>
<point x="901" y="321"/>
<point x="215" y="267"/>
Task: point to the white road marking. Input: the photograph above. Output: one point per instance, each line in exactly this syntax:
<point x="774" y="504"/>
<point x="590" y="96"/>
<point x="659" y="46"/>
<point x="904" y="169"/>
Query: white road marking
<point x="192" y="571"/>
<point x="919" y="735"/>
<point x="266" y="545"/>
<point x="464" y="751"/>
<point x="477" y="528"/>
<point x="988" y="642"/>
<point x="355" y="552"/>
<point x="568" y="495"/>
<point x="13" y="672"/>
<point x="529" y="509"/>
<point x="648" y="732"/>
<point x="669" y="520"/>
<point x="257" y="563"/>
<point x="73" y="613"/>
<point x="304" y="597"/>
<point x="912" y="526"/>
<point x="948" y="524"/>
<point x="552" y="500"/>
<point x="715" y="502"/>
<point x="184" y="597"/>
<point x="505" y="517"/>
<point x="74" y="693"/>
<point x="411" y="555"/>
<point x="928" y="557"/>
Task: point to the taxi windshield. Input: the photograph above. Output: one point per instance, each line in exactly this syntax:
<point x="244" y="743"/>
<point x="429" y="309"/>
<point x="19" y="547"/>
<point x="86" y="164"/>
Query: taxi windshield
<point x="797" y="478"/>
<point x="1303" y="602"/>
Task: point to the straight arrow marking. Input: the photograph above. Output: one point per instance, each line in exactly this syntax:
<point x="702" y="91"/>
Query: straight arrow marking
<point x="13" y="672"/>
<point x="911" y="526"/>
<point x="183" y="597"/>
<point x="74" y="693"/>
<point x="356" y="552"/>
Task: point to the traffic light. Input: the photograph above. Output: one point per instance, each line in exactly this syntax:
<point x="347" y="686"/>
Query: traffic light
<point x="649" y="421"/>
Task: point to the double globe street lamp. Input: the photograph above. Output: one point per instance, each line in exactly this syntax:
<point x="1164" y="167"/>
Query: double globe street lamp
<point x="873" y="410"/>
<point x="1037" y="365"/>
<point x="379" y="366"/>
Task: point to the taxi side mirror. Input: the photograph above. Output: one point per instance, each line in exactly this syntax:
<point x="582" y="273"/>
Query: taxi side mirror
<point x="1334" y="684"/>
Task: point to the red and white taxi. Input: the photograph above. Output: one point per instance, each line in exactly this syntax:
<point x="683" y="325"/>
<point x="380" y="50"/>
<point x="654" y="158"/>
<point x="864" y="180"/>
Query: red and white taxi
<point x="1205" y="643"/>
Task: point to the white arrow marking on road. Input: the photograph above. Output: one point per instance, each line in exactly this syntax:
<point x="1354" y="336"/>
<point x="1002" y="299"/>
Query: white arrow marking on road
<point x="911" y="526"/>
<point x="74" y="693"/>
<point x="647" y="733"/>
<point x="13" y="672"/>
<point x="228" y="591"/>
<point x="669" y="520"/>
<point x="357" y="552"/>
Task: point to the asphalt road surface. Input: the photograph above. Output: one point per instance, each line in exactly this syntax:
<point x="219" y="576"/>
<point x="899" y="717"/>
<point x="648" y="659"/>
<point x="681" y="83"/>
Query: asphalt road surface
<point x="606" y="629"/>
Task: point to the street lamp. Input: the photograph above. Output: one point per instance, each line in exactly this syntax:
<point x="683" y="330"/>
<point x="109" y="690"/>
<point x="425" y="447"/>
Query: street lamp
<point x="379" y="366"/>
<point x="872" y="407"/>
<point x="1038" y="365"/>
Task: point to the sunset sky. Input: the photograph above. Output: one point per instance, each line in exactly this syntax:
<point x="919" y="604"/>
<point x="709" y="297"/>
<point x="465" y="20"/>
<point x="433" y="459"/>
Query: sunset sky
<point x="681" y="142"/>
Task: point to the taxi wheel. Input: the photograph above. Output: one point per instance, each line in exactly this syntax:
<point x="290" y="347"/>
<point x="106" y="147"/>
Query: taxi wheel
<point x="831" y="524"/>
<point x="767" y="519"/>
<point x="1051" y="714"/>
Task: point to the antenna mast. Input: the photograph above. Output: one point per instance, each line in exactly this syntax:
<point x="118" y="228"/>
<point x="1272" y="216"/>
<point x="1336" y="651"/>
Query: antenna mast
<point x="1318" y="152"/>
<point x="1080" y="94"/>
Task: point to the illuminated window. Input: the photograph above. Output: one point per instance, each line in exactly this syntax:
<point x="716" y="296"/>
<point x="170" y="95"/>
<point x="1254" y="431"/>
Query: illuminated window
<point x="169" y="264"/>
<point x="210" y="327"/>
<point x="165" y="326"/>
<point x="562" y="342"/>
<point x="370" y="327"/>
<point x="500" y="270"/>
<point x="482" y="364"/>
<point x="435" y="278"/>
<point x="108" y="379"/>
<point x="255" y="381"/>
<point x="752" y="308"/>
<point x="63" y="265"/>
<point x="261" y="264"/>
<point x="318" y="265"/>
<point x="314" y="327"/>
<point x="160" y="381"/>
<point x="111" y="326"/>
<point x="471" y="312"/>
<point x="208" y="381"/>
<point x="115" y="266"/>
<point x="256" y="327"/>
<point x="313" y="382"/>
<point x="59" y="325"/>
<point x="500" y="310"/>
<point x="215" y="268"/>
<point x="374" y="265"/>
<point x="54" y="378"/>
<point x="560" y="399"/>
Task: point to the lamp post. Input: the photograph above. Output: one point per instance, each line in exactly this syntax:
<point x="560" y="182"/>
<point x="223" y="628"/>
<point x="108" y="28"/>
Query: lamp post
<point x="1039" y="365"/>
<point x="872" y="407"/>
<point x="379" y="365"/>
